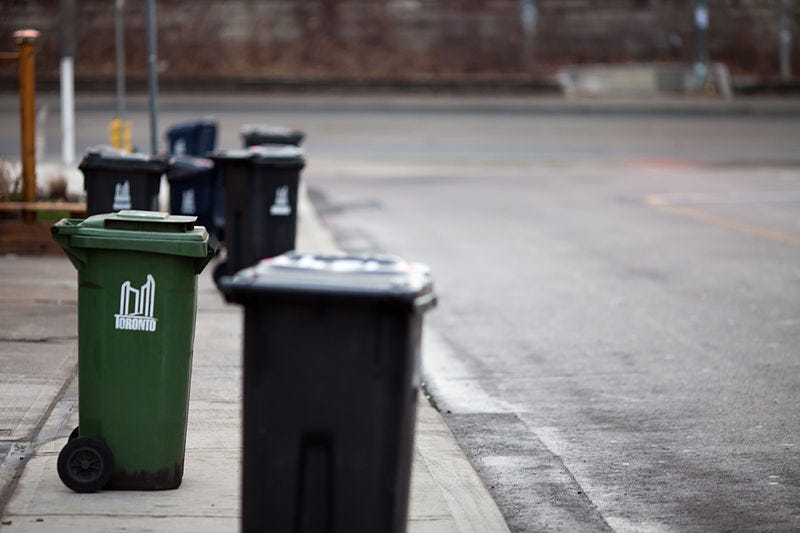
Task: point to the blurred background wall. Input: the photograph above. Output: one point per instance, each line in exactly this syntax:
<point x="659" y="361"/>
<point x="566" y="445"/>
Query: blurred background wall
<point x="524" y="42"/>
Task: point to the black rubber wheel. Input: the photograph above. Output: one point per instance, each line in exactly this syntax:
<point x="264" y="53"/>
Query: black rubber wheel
<point x="75" y="434"/>
<point x="85" y="464"/>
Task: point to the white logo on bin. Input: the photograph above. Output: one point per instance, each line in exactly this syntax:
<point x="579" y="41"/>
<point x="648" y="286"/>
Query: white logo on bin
<point x="136" y="306"/>
<point x="280" y="207"/>
<point x="180" y="147"/>
<point x="122" y="196"/>
<point x="188" y="206"/>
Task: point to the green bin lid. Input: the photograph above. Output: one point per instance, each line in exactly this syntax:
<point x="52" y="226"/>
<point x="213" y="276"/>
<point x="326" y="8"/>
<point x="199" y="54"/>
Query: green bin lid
<point x="343" y="277"/>
<point x="143" y="231"/>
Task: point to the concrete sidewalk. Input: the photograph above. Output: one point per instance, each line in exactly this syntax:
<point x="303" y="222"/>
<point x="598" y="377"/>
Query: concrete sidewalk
<point x="446" y="493"/>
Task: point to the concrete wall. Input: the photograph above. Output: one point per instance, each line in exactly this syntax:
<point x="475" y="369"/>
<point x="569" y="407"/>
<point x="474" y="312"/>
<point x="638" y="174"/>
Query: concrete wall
<point x="398" y="39"/>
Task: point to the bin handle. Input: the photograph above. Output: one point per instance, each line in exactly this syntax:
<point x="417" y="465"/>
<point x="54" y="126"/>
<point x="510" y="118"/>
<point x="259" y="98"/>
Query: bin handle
<point x="61" y="232"/>
<point x="425" y="302"/>
<point x="211" y="250"/>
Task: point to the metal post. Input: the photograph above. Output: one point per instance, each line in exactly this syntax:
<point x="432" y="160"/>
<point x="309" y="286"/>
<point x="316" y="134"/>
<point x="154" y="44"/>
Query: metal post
<point x="528" y="16"/>
<point x="152" y="59"/>
<point x="25" y="41"/>
<point x="67" y="82"/>
<point x="67" y="111"/>
<point x="785" y="37"/>
<point x="701" y="69"/>
<point x="120" y="50"/>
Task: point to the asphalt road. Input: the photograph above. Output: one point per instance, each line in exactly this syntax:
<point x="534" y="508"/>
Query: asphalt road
<point x="623" y="331"/>
<point x="620" y="292"/>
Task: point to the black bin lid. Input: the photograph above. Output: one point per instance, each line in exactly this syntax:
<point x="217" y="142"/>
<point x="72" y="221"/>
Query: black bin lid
<point x="109" y="158"/>
<point x="184" y="166"/>
<point x="260" y="134"/>
<point x="270" y="155"/>
<point x="343" y="277"/>
<point x="182" y="128"/>
<point x="278" y="155"/>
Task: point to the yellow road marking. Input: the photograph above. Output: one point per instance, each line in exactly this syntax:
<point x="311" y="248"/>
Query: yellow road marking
<point x="702" y="216"/>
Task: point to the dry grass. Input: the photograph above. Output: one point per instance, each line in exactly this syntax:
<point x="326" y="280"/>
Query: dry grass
<point x="57" y="189"/>
<point x="7" y="181"/>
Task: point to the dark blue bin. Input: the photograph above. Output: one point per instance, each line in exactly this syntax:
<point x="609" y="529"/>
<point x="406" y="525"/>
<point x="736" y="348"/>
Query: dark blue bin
<point x="195" y="190"/>
<point x="196" y="138"/>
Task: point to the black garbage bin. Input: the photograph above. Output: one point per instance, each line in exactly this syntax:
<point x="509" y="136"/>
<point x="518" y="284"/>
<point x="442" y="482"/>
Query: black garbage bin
<point x="197" y="138"/>
<point x="260" y="188"/>
<point x="115" y="180"/>
<point x="194" y="190"/>
<point x="255" y="134"/>
<point x="331" y="373"/>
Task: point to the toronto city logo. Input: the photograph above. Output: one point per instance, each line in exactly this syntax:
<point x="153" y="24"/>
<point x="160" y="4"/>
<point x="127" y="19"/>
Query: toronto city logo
<point x="179" y="148"/>
<point x="188" y="205"/>
<point x="136" y="306"/>
<point x="122" y="196"/>
<point x="281" y="207"/>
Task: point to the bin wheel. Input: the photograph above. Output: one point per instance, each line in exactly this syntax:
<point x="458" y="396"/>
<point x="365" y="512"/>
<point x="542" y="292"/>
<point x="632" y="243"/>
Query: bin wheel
<point x="220" y="269"/>
<point x="85" y="464"/>
<point x="75" y="434"/>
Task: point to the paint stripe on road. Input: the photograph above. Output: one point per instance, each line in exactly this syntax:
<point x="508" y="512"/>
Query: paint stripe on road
<point x="724" y="197"/>
<point x="659" y="203"/>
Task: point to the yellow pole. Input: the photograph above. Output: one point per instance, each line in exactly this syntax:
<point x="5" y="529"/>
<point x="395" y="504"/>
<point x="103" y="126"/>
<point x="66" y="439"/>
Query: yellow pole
<point x="127" y="136"/>
<point x="115" y="133"/>
<point x="25" y="40"/>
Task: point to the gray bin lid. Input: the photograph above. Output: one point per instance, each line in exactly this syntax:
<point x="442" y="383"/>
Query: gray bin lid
<point x="357" y="277"/>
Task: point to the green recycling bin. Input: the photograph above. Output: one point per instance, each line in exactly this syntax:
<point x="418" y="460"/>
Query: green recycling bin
<point x="137" y="302"/>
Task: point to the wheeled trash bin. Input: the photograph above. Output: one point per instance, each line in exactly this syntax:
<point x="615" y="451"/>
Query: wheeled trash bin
<point x="137" y="300"/>
<point x="331" y="373"/>
<point x="115" y="180"/>
<point x="260" y="187"/>
<point x="197" y="137"/>
<point x="194" y="190"/>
